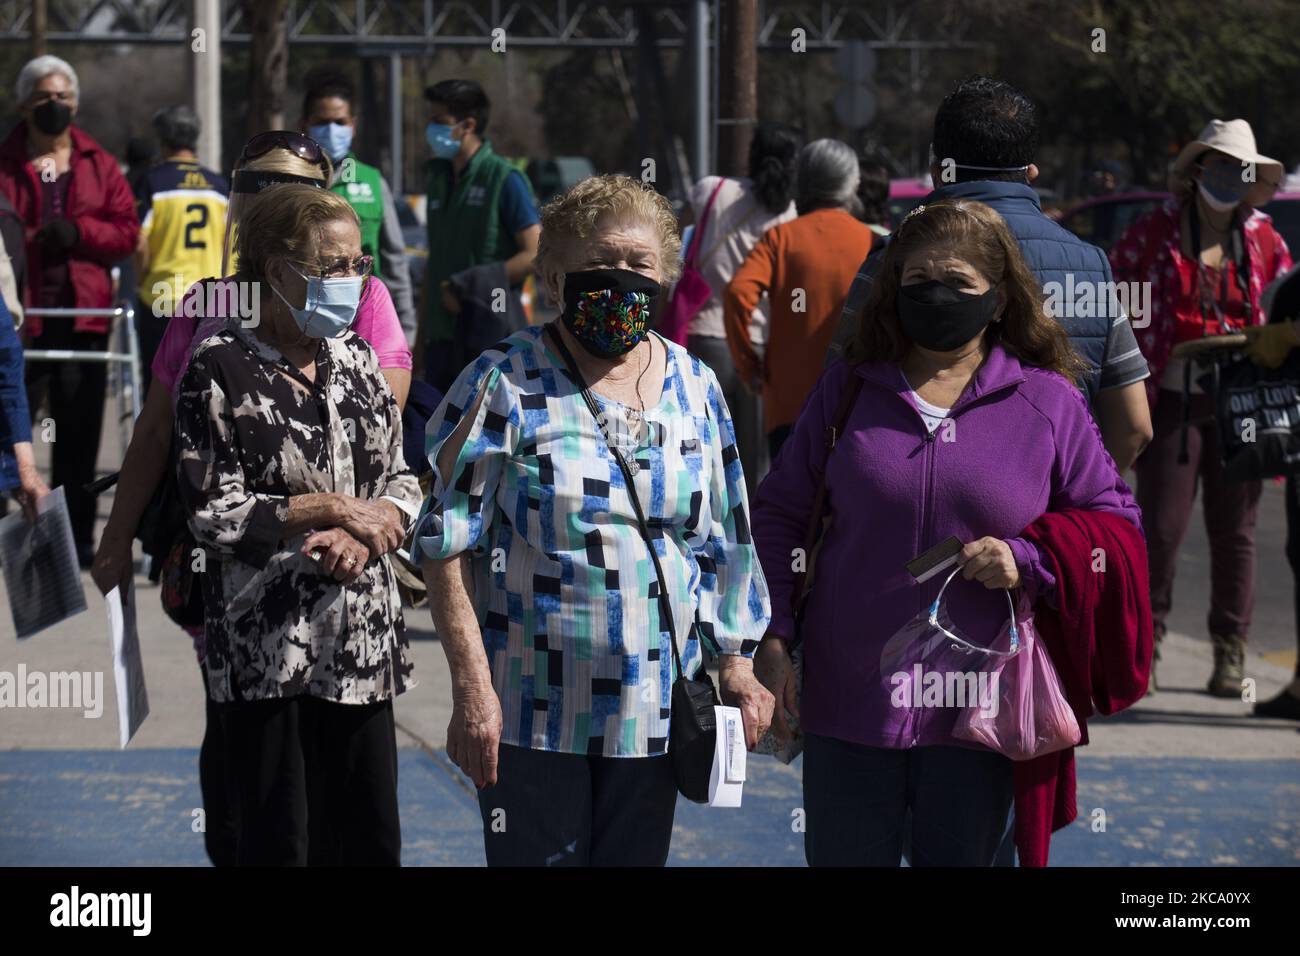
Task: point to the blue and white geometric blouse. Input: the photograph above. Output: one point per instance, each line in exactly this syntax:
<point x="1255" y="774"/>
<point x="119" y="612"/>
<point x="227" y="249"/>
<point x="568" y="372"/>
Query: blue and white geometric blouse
<point x="564" y="588"/>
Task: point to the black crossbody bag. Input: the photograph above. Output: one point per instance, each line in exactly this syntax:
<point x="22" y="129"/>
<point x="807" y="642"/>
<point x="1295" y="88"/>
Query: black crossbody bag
<point x="692" y="723"/>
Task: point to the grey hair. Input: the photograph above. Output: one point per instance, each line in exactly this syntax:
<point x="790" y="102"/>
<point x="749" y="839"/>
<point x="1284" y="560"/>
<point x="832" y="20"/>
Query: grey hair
<point x="38" y="69"/>
<point x="827" y="175"/>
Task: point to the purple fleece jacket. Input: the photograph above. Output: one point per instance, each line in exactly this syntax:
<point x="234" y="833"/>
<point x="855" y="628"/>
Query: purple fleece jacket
<point x="1020" y="443"/>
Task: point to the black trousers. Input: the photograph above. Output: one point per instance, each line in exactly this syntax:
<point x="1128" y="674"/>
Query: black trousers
<point x="1293" y="551"/>
<point x="75" y="393"/>
<point x="556" y="809"/>
<point x="857" y="799"/>
<point x="149" y="330"/>
<point x="217" y="784"/>
<point x="316" y="782"/>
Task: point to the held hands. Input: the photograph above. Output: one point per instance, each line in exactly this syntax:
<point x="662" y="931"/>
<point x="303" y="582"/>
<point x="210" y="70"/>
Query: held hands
<point x="775" y="671"/>
<point x="1269" y="345"/>
<point x="740" y="688"/>
<point x="990" y="562"/>
<point x="341" y="556"/>
<point x="60" y="234"/>
<point x="376" y="524"/>
<point x="474" y="732"/>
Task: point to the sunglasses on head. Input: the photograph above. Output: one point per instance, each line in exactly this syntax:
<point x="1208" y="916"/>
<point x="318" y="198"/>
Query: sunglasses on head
<point x="304" y="147"/>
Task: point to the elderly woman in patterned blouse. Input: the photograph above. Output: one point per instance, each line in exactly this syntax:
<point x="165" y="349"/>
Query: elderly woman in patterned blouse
<point x="542" y="588"/>
<point x="291" y="471"/>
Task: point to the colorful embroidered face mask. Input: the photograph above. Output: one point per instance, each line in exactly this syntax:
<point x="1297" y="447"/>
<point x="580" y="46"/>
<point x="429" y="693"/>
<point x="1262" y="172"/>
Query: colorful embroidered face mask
<point x="608" y="310"/>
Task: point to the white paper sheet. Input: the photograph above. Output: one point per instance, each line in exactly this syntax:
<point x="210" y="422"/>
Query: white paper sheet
<point x="40" y="566"/>
<point x="727" y="779"/>
<point x="128" y="669"/>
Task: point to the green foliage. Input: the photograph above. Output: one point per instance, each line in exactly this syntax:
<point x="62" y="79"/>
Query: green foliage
<point x="1167" y="69"/>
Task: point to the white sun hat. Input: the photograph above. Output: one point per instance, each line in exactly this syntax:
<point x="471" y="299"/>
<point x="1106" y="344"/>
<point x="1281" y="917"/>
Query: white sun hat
<point x="1235" y="138"/>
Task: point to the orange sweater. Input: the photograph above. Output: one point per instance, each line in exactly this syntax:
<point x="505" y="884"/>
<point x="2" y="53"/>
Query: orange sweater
<point x="805" y="266"/>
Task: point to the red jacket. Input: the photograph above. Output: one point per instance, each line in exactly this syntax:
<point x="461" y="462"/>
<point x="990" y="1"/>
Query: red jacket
<point x="1099" y="638"/>
<point x="99" y="203"/>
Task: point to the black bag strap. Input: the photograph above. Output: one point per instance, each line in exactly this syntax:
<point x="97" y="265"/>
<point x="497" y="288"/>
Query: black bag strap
<point x="665" y="609"/>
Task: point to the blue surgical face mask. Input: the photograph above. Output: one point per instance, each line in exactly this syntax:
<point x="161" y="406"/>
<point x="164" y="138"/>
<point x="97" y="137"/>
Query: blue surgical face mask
<point x="442" y="143"/>
<point x="331" y="305"/>
<point x="334" y="138"/>
<point x="1222" y="186"/>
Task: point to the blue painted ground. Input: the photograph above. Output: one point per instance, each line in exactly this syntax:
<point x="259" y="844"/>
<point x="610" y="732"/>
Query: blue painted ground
<point x="99" y="808"/>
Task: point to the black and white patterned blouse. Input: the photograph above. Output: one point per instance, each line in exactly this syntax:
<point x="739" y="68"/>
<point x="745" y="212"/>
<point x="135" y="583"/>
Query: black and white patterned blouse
<point x="251" y="432"/>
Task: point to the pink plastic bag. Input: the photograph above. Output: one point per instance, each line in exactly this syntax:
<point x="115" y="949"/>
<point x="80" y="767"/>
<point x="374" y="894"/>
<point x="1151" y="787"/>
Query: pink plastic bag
<point x="1032" y="717"/>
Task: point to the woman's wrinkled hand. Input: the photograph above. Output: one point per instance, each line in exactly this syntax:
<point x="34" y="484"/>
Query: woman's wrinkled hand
<point x="474" y="733"/>
<point x="741" y="689"/>
<point x="376" y="524"/>
<point x="31" y="486"/>
<point x="114" y="565"/>
<point x="990" y="562"/>
<point x="775" y="671"/>
<point x="341" y="556"/>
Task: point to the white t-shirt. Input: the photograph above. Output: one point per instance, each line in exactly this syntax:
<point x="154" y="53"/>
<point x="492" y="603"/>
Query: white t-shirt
<point x="736" y="223"/>
<point x="932" y="414"/>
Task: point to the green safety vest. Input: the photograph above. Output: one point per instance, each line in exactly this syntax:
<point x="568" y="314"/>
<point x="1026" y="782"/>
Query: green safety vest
<point x="363" y="192"/>
<point x="464" y="225"/>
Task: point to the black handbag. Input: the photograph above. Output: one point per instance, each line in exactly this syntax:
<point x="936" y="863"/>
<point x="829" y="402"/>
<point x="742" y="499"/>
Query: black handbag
<point x="1258" y="413"/>
<point x="692" y="722"/>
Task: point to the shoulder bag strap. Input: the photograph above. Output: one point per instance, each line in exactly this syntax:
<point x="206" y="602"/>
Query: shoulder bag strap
<point x="693" y="253"/>
<point x="852" y="389"/>
<point x="665" y="609"/>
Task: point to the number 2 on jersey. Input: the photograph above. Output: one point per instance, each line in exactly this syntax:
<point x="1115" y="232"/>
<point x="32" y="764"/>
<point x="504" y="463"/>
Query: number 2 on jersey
<point x="199" y="223"/>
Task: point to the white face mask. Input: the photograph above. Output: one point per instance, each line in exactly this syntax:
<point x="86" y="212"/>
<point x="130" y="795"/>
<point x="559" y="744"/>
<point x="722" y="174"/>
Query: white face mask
<point x="331" y="305"/>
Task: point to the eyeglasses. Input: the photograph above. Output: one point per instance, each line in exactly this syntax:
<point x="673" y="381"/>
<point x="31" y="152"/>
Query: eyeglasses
<point x="304" y="147"/>
<point x="340" y="268"/>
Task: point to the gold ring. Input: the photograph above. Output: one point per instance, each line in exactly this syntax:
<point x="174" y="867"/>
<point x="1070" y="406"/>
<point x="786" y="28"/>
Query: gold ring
<point x="352" y="562"/>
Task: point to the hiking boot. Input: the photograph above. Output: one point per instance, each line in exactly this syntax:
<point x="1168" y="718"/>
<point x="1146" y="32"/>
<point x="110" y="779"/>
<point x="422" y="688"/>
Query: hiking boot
<point x="1229" y="665"/>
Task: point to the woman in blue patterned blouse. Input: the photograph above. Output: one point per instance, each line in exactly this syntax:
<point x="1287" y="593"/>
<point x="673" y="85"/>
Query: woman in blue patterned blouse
<point x="542" y="588"/>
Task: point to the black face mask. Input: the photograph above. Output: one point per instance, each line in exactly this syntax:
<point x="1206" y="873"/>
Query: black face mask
<point x="52" y="117"/>
<point x="608" y="310"/>
<point x="940" y="318"/>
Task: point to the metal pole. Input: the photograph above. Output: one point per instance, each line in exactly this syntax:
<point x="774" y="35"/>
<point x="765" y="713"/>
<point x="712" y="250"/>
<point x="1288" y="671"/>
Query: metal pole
<point x="206" y="67"/>
<point x="40" y="25"/>
<point x="739" y="106"/>
<point x="698" y="40"/>
<point x="395" y="144"/>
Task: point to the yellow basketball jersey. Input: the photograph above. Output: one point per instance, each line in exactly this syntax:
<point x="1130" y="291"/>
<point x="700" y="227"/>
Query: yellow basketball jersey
<point x="183" y="219"/>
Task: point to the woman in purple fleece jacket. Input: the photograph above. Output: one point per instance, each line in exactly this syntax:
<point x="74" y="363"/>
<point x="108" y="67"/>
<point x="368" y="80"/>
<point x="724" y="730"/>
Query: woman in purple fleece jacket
<point x="967" y="424"/>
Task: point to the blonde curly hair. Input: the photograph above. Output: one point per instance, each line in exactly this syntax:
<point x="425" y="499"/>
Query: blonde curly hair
<point x="588" y="206"/>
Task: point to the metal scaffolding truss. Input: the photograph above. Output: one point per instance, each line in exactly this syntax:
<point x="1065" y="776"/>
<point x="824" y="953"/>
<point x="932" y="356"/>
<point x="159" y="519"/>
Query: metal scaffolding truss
<point x="408" y="26"/>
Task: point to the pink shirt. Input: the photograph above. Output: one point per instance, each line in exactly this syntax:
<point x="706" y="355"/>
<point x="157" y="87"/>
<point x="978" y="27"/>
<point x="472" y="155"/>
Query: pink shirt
<point x="376" y="322"/>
